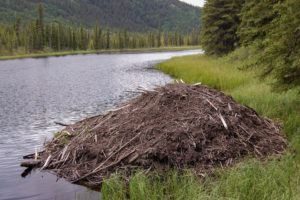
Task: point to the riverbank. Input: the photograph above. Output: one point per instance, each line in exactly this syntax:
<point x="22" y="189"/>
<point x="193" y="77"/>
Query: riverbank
<point x="249" y="180"/>
<point x="109" y="51"/>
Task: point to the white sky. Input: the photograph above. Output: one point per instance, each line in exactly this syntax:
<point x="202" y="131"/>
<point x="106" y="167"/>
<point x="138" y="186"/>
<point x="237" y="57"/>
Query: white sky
<point x="195" y="2"/>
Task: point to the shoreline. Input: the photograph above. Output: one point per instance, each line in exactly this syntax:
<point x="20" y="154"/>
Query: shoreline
<point x="91" y="52"/>
<point x="246" y="89"/>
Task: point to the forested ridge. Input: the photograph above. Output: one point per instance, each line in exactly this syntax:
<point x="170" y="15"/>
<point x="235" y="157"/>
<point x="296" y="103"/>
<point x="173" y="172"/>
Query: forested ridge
<point x="39" y="36"/>
<point x="265" y="33"/>
<point x="134" y="15"/>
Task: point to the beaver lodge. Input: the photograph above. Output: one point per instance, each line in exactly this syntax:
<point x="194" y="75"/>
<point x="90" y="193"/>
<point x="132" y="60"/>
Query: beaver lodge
<point x="176" y="126"/>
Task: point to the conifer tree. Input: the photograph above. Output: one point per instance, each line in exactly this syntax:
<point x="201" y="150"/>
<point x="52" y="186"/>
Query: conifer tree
<point x="280" y="57"/>
<point x="107" y="39"/>
<point x="98" y="41"/>
<point x="220" y="20"/>
<point x="120" y="41"/>
<point x="256" y="19"/>
<point x="17" y="27"/>
<point x="126" y="39"/>
<point x="159" y="39"/>
<point x="40" y="28"/>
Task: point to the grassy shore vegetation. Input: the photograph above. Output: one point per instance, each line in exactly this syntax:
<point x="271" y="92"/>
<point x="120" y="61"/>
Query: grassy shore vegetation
<point x="249" y="180"/>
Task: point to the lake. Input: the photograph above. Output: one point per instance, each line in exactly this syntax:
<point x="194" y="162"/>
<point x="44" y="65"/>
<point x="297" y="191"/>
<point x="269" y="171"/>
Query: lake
<point x="34" y="93"/>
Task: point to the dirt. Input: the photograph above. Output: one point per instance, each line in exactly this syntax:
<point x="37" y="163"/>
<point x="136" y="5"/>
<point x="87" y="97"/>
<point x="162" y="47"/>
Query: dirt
<point x="176" y="126"/>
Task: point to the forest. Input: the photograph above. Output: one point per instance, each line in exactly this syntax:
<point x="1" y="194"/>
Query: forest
<point x="37" y="35"/>
<point x="134" y="15"/>
<point x="266" y="33"/>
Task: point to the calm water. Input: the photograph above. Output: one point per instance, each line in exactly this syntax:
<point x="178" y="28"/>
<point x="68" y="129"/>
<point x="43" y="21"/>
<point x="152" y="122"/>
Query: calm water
<point x="36" y="92"/>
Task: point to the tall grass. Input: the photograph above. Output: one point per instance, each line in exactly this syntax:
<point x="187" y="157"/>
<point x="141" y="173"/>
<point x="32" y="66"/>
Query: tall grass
<point x="249" y="180"/>
<point x="207" y="70"/>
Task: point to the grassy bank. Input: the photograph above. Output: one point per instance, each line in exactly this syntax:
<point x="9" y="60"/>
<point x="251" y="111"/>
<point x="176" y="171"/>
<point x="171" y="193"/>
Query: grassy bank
<point x="65" y="53"/>
<point x="250" y="180"/>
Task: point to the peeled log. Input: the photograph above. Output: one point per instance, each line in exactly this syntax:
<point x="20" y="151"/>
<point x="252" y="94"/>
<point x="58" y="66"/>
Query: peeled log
<point x="31" y="163"/>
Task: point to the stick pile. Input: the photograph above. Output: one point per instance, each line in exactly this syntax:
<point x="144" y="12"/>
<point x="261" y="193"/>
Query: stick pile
<point x="176" y="126"/>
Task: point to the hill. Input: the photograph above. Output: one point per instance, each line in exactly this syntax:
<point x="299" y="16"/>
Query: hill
<point x="134" y="15"/>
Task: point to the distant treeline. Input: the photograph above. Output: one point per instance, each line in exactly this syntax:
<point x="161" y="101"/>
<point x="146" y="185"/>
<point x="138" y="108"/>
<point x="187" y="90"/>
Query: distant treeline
<point x="38" y="36"/>
<point x="267" y="32"/>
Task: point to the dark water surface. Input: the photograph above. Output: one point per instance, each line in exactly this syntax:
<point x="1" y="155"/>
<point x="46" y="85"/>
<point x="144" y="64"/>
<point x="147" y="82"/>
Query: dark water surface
<point x="36" y="92"/>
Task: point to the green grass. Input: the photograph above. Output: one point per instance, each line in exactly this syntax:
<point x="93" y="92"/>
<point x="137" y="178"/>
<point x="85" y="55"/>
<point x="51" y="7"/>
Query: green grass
<point x="249" y="180"/>
<point x="207" y="70"/>
<point x="171" y="185"/>
<point x="44" y="54"/>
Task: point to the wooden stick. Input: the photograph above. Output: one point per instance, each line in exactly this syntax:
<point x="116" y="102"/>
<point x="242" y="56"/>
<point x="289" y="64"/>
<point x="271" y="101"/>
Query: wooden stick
<point x="102" y="168"/>
<point x="229" y="107"/>
<point x="196" y="84"/>
<point x="113" y="154"/>
<point x="64" y="152"/>
<point x="61" y="124"/>
<point x="36" y="155"/>
<point x="212" y="104"/>
<point x="99" y="168"/>
<point x="29" y="156"/>
<point x="31" y="163"/>
<point x="128" y="154"/>
<point x="223" y="121"/>
<point x="117" y="109"/>
<point x="46" y="163"/>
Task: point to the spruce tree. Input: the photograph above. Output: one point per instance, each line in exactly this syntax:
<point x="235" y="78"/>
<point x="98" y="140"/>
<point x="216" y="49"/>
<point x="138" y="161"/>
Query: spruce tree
<point x="126" y="39"/>
<point x="159" y="35"/>
<point x="74" y="41"/>
<point x="40" y="27"/>
<point x="107" y="39"/>
<point x="256" y="19"/>
<point x="120" y="41"/>
<point x="220" y="20"/>
<point x="280" y="57"/>
<point x="17" y="27"/>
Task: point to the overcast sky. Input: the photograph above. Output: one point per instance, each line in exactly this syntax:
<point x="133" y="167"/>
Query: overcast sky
<point x="195" y="2"/>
